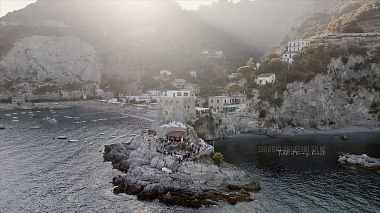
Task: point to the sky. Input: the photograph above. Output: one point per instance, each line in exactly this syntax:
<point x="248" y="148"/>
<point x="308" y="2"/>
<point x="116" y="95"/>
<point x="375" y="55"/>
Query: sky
<point x="11" y="5"/>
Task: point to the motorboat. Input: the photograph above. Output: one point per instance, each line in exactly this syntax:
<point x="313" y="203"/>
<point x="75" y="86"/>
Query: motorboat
<point x="2" y="127"/>
<point x="35" y="127"/>
<point x="73" y="140"/>
<point x="62" y="137"/>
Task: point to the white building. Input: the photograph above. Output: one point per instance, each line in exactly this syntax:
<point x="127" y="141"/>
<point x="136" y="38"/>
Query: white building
<point x="179" y="83"/>
<point x="265" y="78"/>
<point x="165" y="72"/>
<point x="154" y="92"/>
<point x="193" y="73"/>
<point x="193" y="88"/>
<point x="233" y="75"/>
<point x="294" y="48"/>
<point x="219" y="53"/>
<point x="298" y="46"/>
<point x="177" y="93"/>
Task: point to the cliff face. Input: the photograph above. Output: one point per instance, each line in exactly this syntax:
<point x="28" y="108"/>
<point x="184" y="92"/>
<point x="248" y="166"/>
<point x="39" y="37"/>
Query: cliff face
<point x="55" y="59"/>
<point x="343" y="97"/>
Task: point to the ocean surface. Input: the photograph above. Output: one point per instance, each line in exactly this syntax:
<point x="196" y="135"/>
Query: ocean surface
<point x="39" y="173"/>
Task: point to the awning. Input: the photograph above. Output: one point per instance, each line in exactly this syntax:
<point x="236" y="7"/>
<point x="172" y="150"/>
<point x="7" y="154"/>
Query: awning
<point x="175" y="134"/>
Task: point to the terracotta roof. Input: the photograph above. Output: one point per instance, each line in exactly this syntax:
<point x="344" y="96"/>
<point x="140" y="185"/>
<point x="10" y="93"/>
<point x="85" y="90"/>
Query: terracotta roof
<point x="175" y="134"/>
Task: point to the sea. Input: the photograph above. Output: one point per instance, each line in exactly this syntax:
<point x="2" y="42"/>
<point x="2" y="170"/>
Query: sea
<point x="40" y="173"/>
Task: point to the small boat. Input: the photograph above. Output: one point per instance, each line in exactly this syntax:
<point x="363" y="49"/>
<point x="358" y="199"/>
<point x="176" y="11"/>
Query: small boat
<point x="102" y="133"/>
<point x="71" y="141"/>
<point x="122" y="136"/>
<point x="76" y="117"/>
<point x="94" y="120"/>
<point x="2" y="127"/>
<point x="84" y="121"/>
<point x="132" y="134"/>
<point x="77" y="122"/>
<point x="8" y="115"/>
<point x="52" y="120"/>
<point x="113" y="136"/>
<point x="15" y="117"/>
<point x="62" y="137"/>
<point x="15" y="120"/>
<point x="35" y="127"/>
<point x="38" y="111"/>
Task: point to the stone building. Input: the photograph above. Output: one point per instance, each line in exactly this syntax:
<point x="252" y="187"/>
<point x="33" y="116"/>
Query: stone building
<point x="231" y="103"/>
<point x="294" y="48"/>
<point x="176" y="106"/>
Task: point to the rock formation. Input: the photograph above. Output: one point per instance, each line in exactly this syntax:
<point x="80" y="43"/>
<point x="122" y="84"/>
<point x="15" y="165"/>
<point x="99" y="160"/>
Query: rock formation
<point x="359" y="161"/>
<point x="194" y="182"/>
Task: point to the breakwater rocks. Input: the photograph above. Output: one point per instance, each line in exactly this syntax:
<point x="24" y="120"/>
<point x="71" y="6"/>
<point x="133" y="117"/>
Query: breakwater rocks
<point x="359" y="162"/>
<point x="193" y="182"/>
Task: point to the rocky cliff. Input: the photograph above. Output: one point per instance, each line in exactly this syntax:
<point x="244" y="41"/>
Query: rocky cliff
<point x="47" y="58"/>
<point x="346" y="95"/>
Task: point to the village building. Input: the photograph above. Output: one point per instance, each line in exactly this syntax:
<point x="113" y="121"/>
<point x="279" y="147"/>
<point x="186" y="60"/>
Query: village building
<point x="154" y="92"/>
<point x="176" y="93"/>
<point x="193" y="88"/>
<point x="219" y="53"/>
<point x="233" y="75"/>
<point x="201" y="111"/>
<point x="223" y="104"/>
<point x="20" y="99"/>
<point x="193" y="73"/>
<point x="179" y="83"/>
<point x="293" y="49"/>
<point x="138" y="98"/>
<point x="165" y="72"/>
<point x="265" y="78"/>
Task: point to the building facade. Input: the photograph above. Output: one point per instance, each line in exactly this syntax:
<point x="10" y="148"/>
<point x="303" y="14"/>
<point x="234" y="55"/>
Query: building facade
<point x="219" y="104"/>
<point x="177" y="108"/>
<point x="265" y="78"/>
<point x="294" y="48"/>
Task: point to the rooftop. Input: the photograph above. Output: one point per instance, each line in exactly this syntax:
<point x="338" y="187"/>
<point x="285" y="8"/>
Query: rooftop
<point x="265" y="75"/>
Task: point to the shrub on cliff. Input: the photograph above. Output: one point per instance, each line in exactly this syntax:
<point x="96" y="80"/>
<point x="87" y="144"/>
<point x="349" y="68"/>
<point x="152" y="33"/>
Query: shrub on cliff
<point x="218" y="157"/>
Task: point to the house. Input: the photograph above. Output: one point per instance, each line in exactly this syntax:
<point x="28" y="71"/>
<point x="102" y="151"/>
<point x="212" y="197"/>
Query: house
<point x="20" y="99"/>
<point x="193" y="73"/>
<point x="84" y="96"/>
<point x="201" y="111"/>
<point x="177" y="93"/>
<point x="165" y="73"/>
<point x="219" y="53"/>
<point x="154" y="92"/>
<point x="225" y="103"/>
<point x="179" y="83"/>
<point x="193" y="88"/>
<point x="233" y="75"/>
<point x="294" y="48"/>
<point x="265" y="78"/>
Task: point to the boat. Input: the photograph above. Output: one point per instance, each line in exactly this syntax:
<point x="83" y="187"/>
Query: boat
<point x="102" y="133"/>
<point x="62" y="137"/>
<point x="15" y="120"/>
<point x="113" y="136"/>
<point x="2" y="127"/>
<point x="35" y="127"/>
<point x="84" y="121"/>
<point x="14" y="117"/>
<point x="8" y="115"/>
<point x="132" y="134"/>
<point x="51" y="120"/>
<point x="123" y="136"/>
<point x="71" y="141"/>
<point x="77" y="122"/>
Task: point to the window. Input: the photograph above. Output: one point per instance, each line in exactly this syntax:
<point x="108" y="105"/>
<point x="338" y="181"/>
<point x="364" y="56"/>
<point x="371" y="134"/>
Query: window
<point x="212" y="100"/>
<point x="217" y="101"/>
<point x="185" y="94"/>
<point x="179" y="94"/>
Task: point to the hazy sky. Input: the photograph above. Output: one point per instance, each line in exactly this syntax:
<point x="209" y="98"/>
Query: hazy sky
<point x="10" y="5"/>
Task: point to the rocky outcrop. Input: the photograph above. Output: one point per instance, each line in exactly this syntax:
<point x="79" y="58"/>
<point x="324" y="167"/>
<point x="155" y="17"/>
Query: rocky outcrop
<point x="193" y="183"/>
<point x="53" y="59"/>
<point x="359" y="161"/>
<point x="342" y="97"/>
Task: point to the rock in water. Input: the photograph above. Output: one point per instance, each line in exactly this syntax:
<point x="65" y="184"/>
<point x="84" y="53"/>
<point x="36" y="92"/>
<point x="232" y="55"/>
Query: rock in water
<point x="359" y="161"/>
<point x="194" y="183"/>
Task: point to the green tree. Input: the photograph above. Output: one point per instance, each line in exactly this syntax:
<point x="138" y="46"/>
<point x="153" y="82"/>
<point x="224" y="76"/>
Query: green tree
<point x="218" y="157"/>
